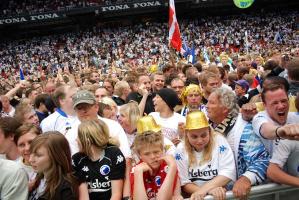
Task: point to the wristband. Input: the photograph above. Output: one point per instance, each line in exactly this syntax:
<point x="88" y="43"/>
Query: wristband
<point x="276" y="133"/>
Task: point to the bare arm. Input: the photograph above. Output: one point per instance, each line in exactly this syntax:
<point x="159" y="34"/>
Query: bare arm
<point x="218" y="181"/>
<point x="142" y="103"/>
<point x="276" y="174"/>
<point x="166" y="189"/>
<point x="126" y="191"/>
<point x="139" y="189"/>
<point x="83" y="192"/>
<point x="117" y="189"/>
<point x="268" y="131"/>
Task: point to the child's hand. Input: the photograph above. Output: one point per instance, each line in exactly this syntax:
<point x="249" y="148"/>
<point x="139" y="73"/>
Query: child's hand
<point x="177" y="197"/>
<point x="198" y="195"/>
<point x="143" y="167"/>
<point x="218" y="193"/>
<point x="169" y="160"/>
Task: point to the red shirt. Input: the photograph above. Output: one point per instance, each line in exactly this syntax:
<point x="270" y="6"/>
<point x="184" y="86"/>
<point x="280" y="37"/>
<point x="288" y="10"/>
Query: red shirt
<point x="152" y="184"/>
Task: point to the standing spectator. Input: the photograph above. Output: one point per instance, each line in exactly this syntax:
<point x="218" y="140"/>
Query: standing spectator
<point x="205" y="159"/>
<point x="7" y="109"/>
<point x="121" y="92"/>
<point x="158" y="81"/>
<point x="99" y="163"/>
<point x="143" y="97"/>
<point x="64" y="115"/>
<point x="13" y="181"/>
<point x="8" y="148"/>
<point x="100" y="93"/>
<point x="165" y="101"/>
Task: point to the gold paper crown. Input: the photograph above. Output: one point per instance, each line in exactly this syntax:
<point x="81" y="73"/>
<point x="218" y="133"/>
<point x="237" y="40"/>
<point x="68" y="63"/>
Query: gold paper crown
<point x="147" y="123"/>
<point x="260" y="106"/>
<point x="196" y="120"/>
<point x="292" y="104"/>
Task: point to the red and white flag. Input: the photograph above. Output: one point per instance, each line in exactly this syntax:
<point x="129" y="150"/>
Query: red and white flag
<point x="174" y="29"/>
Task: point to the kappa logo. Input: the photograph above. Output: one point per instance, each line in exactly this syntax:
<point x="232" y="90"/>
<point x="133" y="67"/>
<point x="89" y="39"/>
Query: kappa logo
<point x="105" y="169"/>
<point x="178" y="156"/>
<point x="158" y="180"/>
<point x="120" y="159"/>
<point x="222" y="148"/>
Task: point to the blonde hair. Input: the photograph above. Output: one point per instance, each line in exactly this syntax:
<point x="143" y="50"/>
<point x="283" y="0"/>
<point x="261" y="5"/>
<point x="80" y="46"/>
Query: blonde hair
<point x="108" y="101"/>
<point x="148" y="139"/>
<point x="131" y="110"/>
<point x="94" y="132"/>
<point x="207" y="152"/>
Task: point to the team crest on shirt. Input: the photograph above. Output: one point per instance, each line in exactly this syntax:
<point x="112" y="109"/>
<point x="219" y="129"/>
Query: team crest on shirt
<point x="158" y="180"/>
<point x="105" y="169"/>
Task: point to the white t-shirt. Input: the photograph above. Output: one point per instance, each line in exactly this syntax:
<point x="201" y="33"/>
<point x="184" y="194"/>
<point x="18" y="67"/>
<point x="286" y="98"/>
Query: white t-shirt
<point x="115" y="130"/>
<point x="222" y="163"/>
<point x="263" y="117"/>
<point x="169" y="125"/>
<point x="57" y="122"/>
<point x="281" y="155"/>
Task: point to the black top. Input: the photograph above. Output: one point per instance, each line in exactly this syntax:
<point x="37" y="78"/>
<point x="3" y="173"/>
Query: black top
<point x="119" y="101"/>
<point x="63" y="191"/>
<point x="98" y="174"/>
<point x="149" y="105"/>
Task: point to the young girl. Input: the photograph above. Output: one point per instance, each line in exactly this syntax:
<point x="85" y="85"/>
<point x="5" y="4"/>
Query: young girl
<point x="155" y="177"/>
<point x="99" y="163"/>
<point x="51" y="158"/>
<point x="205" y="160"/>
<point x="25" y="134"/>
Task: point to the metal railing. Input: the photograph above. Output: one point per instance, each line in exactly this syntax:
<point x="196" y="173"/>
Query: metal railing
<point x="270" y="191"/>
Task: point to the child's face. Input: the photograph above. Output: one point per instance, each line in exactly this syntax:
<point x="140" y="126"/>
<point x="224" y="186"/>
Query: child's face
<point x="199" y="138"/>
<point x="151" y="155"/>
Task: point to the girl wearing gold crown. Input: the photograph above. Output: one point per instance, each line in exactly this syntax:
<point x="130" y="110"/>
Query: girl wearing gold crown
<point x="205" y="160"/>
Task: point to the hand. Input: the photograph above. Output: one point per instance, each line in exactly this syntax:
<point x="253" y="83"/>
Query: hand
<point x="181" y="129"/>
<point x="218" y="193"/>
<point x="289" y="131"/>
<point x="198" y="195"/>
<point x="142" y="90"/>
<point x="177" y="197"/>
<point x="242" y="188"/>
<point x="248" y="111"/>
<point x="143" y="167"/>
<point x="176" y="141"/>
<point x="169" y="160"/>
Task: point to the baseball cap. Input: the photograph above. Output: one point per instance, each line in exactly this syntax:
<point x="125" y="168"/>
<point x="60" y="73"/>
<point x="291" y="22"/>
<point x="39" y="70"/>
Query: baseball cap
<point x="83" y="96"/>
<point x="243" y="83"/>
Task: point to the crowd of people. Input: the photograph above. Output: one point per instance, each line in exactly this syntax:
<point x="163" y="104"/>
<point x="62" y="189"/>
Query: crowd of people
<point x="115" y="114"/>
<point x="17" y="7"/>
<point x="146" y="44"/>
